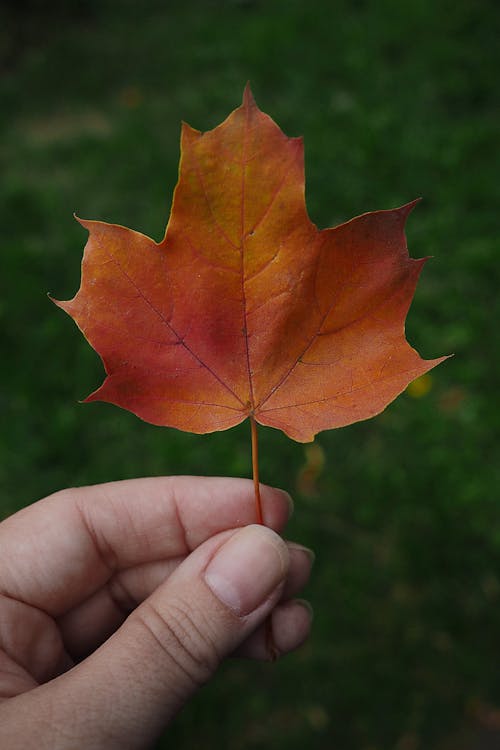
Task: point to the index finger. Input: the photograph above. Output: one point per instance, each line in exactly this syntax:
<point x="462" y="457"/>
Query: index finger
<point x="57" y="552"/>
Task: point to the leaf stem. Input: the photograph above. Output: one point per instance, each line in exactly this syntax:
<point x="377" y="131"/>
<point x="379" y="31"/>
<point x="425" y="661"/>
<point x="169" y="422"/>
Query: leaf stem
<point x="272" y="651"/>
<point x="255" y="471"/>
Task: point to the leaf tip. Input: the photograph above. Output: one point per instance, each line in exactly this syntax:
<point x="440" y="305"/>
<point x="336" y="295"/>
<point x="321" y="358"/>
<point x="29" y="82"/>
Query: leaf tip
<point x="94" y="396"/>
<point x="58" y="302"/>
<point x="83" y="222"/>
<point x="248" y="97"/>
<point x="188" y="133"/>
<point x="408" y="207"/>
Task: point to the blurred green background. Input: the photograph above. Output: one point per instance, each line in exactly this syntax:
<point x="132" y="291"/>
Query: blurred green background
<point x="395" y="100"/>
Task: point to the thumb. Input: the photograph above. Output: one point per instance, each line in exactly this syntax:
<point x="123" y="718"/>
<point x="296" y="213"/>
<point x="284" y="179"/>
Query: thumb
<point x="129" y="688"/>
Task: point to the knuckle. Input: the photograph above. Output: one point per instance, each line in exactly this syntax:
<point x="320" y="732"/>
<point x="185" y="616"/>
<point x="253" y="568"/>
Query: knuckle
<point x="187" y="644"/>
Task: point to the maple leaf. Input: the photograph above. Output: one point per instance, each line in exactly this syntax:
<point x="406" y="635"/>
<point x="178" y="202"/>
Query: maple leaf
<point x="246" y="308"/>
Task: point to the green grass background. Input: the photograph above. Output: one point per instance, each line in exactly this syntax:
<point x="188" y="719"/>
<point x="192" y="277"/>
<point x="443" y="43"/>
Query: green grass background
<point x="395" y="100"/>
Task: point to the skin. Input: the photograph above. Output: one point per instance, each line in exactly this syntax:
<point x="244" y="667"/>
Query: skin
<point x="118" y="601"/>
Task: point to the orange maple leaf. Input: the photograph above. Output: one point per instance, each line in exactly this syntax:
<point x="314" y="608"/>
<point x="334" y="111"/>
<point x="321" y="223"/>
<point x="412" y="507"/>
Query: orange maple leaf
<point x="246" y="308"/>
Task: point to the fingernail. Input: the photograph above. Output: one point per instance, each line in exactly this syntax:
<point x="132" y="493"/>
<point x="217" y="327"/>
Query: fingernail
<point x="247" y="568"/>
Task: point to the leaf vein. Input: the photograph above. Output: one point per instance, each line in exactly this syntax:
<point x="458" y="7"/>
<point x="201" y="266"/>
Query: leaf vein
<point x="341" y="393"/>
<point x="169" y="325"/>
<point x="217" y="225"/>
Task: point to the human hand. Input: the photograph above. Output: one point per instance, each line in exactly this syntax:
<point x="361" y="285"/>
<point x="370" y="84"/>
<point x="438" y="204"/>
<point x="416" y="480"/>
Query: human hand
<point x="118" y="601"/>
